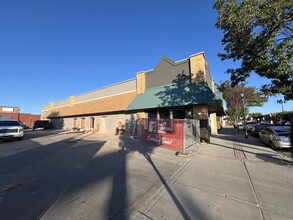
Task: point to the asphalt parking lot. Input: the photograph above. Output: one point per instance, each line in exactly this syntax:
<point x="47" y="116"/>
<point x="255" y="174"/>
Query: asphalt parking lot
<point x="53" y="175"/>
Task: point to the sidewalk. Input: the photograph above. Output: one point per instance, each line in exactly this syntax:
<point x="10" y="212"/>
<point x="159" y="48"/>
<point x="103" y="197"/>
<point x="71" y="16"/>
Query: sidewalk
<point x="231" y="178"/>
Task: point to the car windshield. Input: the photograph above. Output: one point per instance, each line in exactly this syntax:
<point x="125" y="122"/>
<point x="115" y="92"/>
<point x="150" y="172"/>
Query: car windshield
<point x="9" y="123"/>
<point x="262" y="126"/>
<point x="281" y="130"/>
<point x="284" y="134"/>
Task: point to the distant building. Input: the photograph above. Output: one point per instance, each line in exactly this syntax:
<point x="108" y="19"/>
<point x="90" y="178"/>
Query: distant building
<point x="13" y="113"/>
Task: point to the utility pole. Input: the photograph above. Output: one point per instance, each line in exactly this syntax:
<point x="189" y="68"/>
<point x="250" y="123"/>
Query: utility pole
<point x="243" y="103"/>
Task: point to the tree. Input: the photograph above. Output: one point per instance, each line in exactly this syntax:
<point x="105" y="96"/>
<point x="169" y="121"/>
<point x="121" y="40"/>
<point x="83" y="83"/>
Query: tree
<point x="238" y="107"/>
<point x="281" y="116"/>
<point x="259" y="33"/>
<point x="280" y="101"/>
<point x="256" y="115"/>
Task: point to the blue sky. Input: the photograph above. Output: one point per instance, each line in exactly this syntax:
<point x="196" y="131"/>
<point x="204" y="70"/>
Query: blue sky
<point x="52" y="49"/>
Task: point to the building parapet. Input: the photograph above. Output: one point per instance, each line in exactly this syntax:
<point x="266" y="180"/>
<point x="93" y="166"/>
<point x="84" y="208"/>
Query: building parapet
<point x="116" y="89"/>
<point x="120" y="88"/>
<point x="61" y="103"/>
<point x="45" y="107"/>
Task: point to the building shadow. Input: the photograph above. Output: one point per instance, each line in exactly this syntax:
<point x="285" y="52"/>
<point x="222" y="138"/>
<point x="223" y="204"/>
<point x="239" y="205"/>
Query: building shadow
<point x="146" y="150"/>
<point x="56" y="121"/>
<point x="35" y="183"/>
<point x="31" y="180"/>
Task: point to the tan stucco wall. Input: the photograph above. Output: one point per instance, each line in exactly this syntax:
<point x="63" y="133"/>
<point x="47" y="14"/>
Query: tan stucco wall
<point x="197" y="68"/>
<point x="140" y="82"/>
<point x="140" y="115"/>
<point x="51" y="105"/>
<point x="214" y="124"/>
<point x="71" y="100"/>
<point x="200" y="112"/>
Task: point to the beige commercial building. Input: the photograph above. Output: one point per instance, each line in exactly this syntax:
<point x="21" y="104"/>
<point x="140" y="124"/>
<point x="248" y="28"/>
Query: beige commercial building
<point x="172" y="90"/>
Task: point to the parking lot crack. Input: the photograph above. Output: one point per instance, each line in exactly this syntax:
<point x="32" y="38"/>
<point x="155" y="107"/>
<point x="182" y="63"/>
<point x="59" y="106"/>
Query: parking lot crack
<point x="12" y="186"/>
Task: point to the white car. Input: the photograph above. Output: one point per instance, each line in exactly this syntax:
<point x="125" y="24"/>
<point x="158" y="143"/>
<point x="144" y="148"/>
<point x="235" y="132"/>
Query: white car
<point x="10" y="129"/>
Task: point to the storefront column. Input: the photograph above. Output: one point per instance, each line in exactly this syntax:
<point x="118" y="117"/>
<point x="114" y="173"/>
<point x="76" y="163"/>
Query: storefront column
<point x="200" y="112"/>
<point x="140" y="120"/>
<point x="214" y="125"/>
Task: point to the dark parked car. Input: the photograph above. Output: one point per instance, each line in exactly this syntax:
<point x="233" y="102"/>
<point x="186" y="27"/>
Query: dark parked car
<point x="256" y="129"/>
<point x="45" y="124"/>
<point x="249" y="126"/>
<point x="24" y="126"/>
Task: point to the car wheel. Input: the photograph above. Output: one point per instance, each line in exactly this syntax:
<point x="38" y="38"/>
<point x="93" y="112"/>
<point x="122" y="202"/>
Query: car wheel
<point x="261" y="140"/>
<point x="273" y="146"/>
<point x="19" y="138"/>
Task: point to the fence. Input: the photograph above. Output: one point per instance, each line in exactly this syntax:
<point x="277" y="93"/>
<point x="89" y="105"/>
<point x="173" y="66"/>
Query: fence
<point x="175" y="134"/>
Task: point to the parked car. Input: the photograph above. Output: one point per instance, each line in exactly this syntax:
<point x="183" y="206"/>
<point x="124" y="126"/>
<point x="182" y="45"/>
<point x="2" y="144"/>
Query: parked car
<point x="249" y="126"/>
<point x="276" y="137"/>
<point x="10" y="129"/>
<point x="24" y="126"/>
<point x="45" y="124"/>
<point x="256" y="129"/>
<point x="239" y="123"/>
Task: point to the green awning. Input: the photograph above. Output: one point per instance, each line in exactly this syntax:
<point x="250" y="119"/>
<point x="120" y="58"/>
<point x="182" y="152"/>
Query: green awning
<point x="177" y="94"/>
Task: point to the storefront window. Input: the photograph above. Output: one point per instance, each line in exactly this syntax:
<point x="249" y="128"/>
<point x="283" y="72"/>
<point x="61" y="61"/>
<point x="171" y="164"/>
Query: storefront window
<point x="152" y="114"/>
<point x="178" y="113"/>
<point x="164" y="113"/>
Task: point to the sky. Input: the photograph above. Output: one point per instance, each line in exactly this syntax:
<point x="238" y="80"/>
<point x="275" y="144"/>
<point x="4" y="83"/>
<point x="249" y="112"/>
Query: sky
<point x="53" y="49"/>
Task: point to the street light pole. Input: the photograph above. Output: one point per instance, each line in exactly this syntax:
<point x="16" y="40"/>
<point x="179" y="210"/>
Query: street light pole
<point x="242" y="96"/>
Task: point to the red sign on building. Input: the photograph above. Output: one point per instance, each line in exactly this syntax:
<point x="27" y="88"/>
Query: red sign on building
<point x="164" y="132"/>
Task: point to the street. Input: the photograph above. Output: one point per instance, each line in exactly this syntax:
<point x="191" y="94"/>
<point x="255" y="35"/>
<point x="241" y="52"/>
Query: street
<point x="58" y="175"/>
<point x="53" y="175"/>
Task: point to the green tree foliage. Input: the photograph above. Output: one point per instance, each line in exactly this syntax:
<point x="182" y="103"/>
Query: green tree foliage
<point x="255" y="115"/>
<point x="280" y="101"/>
<point x="238" y="106"/>
<point x="259" y="33"/>
<point x="281" y="116"/>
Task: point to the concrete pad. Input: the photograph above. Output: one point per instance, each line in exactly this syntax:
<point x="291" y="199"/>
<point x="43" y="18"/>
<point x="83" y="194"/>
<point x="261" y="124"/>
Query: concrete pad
<point x="140" y="216"/>
<point x="273" y="185"/>
<point x="223" y="147"/>
<point x="91" y="201"/>
<point x="185" y="202"/>
<point x="229" y="178"/>
<point x="268" y="215"/>
<point x="118" y="181"/>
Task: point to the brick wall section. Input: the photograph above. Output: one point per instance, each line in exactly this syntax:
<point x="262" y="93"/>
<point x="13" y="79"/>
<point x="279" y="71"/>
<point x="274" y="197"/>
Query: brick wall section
<point x="26" y="118"/>
<point x="11" y="116"/>
<point x="14" y="109"/>
<point x="103" y="105"/>
<point x="29" y="119"/>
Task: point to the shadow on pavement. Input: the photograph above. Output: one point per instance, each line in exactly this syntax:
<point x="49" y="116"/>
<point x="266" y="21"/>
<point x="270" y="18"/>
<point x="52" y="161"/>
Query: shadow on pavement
<point x="34" y="181"/>
<point x="31" y="180"/>
<point x="114" y="164"/>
